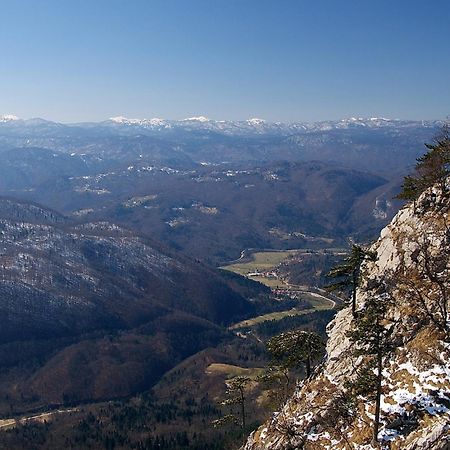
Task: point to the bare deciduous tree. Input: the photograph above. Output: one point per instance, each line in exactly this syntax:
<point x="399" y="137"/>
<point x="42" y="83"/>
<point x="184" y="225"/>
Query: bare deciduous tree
<point x="426" y="283"/>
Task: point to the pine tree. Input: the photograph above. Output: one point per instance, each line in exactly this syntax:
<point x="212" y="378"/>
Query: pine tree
<point x="277" y="381"/>
<point x="349" y="272"/>
<point x="411" y="189"/>
<point x="431" y="169"/>
<point x="372" y="339"/>
<point x="235" y="395"/>
<point x="296" y="348"/>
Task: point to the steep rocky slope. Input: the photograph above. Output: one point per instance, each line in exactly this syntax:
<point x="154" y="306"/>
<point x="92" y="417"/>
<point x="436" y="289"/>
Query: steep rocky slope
<point x="410" y="274"/>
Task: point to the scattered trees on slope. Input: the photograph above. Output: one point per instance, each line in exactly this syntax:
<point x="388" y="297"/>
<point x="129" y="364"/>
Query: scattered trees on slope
<point x="432" y="168"/>
<point x="426" y="282"/>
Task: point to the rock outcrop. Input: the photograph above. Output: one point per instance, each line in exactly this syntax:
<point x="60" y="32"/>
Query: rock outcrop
<point x="413" y="268"/>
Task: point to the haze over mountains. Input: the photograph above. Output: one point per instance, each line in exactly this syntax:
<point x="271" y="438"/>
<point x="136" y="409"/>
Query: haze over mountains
<point x="248" y="183"/>
<point x="252" y="125"/>
<point x="374" y="144"/>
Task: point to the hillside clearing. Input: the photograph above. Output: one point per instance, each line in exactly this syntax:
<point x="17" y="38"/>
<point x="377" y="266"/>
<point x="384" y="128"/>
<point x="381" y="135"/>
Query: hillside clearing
<point x="233" y="371"/>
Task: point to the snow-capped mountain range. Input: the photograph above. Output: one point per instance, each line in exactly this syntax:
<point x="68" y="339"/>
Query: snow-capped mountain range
<point x="260" y="126"/>
<point x="241" y="127"/>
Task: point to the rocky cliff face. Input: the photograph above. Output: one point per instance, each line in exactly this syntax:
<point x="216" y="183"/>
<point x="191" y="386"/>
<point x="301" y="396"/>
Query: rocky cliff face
<point x="413" y="267"/>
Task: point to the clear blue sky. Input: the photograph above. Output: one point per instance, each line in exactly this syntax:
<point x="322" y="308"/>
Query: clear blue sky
<point x="287" y="60"/>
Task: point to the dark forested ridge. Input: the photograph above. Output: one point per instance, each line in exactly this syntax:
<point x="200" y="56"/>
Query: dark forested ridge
<point x="83" y="303"/>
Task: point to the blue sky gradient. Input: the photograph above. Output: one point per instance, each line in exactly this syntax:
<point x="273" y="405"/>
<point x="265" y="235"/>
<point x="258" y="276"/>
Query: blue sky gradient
<point x="282" y="60"/>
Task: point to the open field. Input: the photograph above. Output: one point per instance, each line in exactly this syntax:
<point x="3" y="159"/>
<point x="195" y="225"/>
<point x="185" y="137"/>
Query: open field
<point x="317" y="301"/>
<point x="266" y="262"/>
<point x="260" y="262"/>
<point x="273" y="283"/>
<point x="271" y="316"/>
<point x="6" y="424"/>
<point x="233" y="371"/>
<point x="257" y="266"/>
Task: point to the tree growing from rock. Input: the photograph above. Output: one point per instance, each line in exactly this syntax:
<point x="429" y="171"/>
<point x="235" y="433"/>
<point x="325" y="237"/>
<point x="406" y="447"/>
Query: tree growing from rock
<point x="426" y="283"/>
<point x="297" y="348"/>
<point x="432" y="169"/>
<point x="277" y="380"/>
<point x="348" y="273"/>
<point x="372" y="340"/>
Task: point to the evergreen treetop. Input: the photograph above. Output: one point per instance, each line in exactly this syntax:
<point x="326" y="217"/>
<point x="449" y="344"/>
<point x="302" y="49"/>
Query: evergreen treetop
<point x="296" y="348"/>
<point x="431" y="168"/>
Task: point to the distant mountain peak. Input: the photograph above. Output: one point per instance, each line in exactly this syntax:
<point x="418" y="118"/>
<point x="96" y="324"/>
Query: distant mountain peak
<point x="119" y="119"/>
<point x="256" y="121"/>
<point x="124" y="120"/>
<point x="155" y="122"/>
<point x="196" y="119"/>
<point x="383" y="119"/>
<point x="367" y="119"/>
<point x="9" y="118"/>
